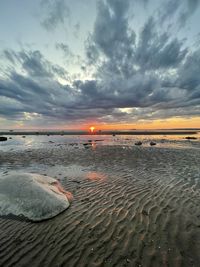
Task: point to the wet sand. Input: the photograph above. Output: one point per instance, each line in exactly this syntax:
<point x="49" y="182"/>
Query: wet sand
<point x="133" y="206"/>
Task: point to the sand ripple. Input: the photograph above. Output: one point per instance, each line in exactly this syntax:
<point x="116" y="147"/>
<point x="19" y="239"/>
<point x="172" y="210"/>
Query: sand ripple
<point x="132" y="207"/>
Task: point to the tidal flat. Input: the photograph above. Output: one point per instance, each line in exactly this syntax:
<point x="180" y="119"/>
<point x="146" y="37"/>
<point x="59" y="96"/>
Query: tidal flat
<point x="132" y="205"/>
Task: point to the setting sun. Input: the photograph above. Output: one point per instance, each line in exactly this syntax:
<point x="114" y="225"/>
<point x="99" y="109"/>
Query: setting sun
<point x="92" y="128"/>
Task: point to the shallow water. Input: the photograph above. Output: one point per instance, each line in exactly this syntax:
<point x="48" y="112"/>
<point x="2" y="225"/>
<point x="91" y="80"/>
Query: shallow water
<point x="40" y="141"/>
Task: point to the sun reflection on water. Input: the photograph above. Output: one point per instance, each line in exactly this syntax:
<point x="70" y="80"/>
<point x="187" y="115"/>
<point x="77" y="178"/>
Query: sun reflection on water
<point x="96" y="176"/>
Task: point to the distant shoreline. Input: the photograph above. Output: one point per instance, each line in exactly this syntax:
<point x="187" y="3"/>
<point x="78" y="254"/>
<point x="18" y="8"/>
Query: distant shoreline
<point x="148" y="132"/>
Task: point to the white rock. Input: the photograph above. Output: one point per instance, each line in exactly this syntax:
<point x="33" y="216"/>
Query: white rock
<point x="33" y="196"/>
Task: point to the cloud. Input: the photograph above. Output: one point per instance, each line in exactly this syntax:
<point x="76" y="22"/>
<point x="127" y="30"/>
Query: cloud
<point x="182" y="9"/>
<point x="56" y="13"/>
<point x="189" y="9"/>
<point x="152" y="73"/>
<point x="77" y="28"/>
<point x="189" y="77"/>
<point x="34" y="64"/>
<point x="64" y="48"/>
<point x="158" y="50"/>
<point x="116" y="41"/>
<point x="167" y="10"/>
<point x="138" y="72"/>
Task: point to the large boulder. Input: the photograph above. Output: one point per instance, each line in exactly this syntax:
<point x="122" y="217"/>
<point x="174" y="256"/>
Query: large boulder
<point x="32" y="196"/>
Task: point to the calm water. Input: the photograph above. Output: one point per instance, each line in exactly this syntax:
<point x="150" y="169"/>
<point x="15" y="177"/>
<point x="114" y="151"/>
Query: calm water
<point x="34" y="141"/>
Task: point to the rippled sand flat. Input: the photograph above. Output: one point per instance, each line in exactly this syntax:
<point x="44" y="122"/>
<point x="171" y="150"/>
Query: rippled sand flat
<point x="133" y="206"/>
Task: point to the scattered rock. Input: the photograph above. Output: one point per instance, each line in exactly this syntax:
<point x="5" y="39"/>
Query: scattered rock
<point x="138" y="143"/>
<point x="23" y="136"/>
<point x="190" y="138"/>
<point x="152" y="143"/>
<point x="87" y="145"/>
<point x="3" y="138"/>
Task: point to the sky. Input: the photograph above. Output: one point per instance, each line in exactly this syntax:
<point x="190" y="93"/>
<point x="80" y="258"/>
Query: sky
<point x="114" y="64"/>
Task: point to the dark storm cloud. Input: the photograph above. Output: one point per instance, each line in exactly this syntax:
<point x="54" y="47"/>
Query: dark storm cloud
<point x="36" y="89"/>
<point x="56" y="12"/>
<point x="43" y="94"/>
<point x="115" y="41"/>
<point x="47" y="99"/>
<point x="143" y="72"/>
<point x="189" y="71"/>
<point x="157" y="50"/>
<point x="153" y="73"/>
<point x="124" y="56"/>
<point x="34" y="63"/>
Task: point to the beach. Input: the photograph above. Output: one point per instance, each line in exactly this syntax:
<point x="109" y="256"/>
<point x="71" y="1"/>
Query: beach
<point x="132" y="205"/>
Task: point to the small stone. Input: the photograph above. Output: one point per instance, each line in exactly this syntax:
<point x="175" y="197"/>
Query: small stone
<point x="138" y="143"/>
<point x="190" y="138"/>
<point x="152" y="143"/>
<point x="87" y="145"/>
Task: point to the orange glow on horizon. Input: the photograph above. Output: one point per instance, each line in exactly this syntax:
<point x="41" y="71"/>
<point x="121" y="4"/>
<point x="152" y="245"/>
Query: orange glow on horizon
<point x="170" y="123"/>
<point x="92" y="128"/>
